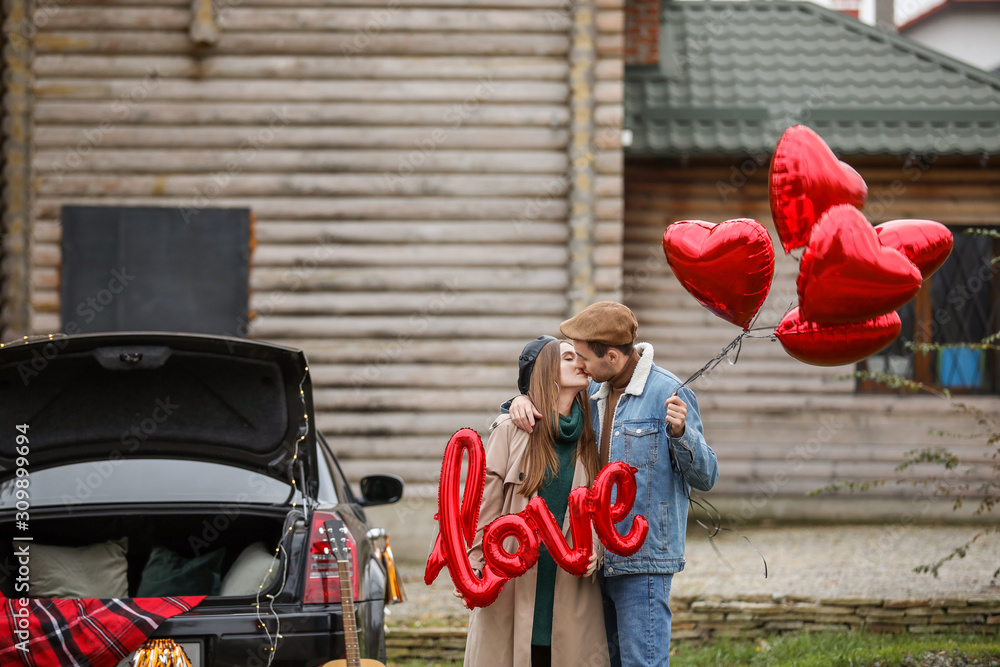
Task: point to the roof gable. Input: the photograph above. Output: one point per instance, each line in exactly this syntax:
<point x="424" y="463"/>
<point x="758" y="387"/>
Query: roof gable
<point x="943" y="9"/>
<point x="734" y="75"/>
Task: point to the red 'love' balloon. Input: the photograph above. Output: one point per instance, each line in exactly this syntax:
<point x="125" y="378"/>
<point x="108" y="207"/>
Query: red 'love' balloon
<point x="924" y="242"/>
<point x="574" y="560"/>
<point x="510" y="564"/>
<point x="727" y="267"/>
<point x="455" y="520"/>
<point x="805" y="180"/>
<point x="607" y="514"/>
<point x="527" y="527"/>
<point x="847" y="275"/>
<point x="835" y="344"/>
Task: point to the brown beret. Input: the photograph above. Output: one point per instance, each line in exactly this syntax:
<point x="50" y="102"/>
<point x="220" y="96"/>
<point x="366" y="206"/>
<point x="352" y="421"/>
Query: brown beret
<point x="602" y="322"/>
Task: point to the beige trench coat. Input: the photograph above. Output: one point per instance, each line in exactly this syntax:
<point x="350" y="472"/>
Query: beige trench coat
<point x="500" y="634"/>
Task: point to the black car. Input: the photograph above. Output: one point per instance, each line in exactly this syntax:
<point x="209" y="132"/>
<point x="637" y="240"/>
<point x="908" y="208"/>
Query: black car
<point x="174" y="464"/>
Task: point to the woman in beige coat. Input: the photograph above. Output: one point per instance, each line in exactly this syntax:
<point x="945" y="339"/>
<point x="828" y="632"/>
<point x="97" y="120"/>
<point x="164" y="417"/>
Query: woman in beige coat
<point x="563" y="625"/>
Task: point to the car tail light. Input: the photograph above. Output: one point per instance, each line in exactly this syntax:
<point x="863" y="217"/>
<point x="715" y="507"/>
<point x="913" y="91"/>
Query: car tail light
<point x="328" y="536"/>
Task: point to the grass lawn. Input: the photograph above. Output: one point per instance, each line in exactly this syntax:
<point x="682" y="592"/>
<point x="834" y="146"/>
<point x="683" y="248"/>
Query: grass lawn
<point x="845" y="649"/>
<point x="840" y="649"/>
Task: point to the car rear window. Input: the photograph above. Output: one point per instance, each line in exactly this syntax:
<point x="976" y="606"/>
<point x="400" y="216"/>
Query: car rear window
<point x="147" y="481"/>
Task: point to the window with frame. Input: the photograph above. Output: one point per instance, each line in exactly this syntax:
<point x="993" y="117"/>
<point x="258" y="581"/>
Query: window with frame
<point x="959" y="303"/>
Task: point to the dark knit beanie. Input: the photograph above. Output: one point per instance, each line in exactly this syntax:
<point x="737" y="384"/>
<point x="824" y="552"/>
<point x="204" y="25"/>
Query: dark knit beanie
<point x="526" y="362"/>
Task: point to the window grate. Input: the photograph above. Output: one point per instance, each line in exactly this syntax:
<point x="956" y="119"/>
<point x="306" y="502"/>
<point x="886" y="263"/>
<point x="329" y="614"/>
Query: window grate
<point x="959" y="304"/>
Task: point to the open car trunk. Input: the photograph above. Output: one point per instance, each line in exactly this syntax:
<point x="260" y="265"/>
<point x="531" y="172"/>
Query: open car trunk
<point x="223" y="551"/>
<point x="159" y="396"/>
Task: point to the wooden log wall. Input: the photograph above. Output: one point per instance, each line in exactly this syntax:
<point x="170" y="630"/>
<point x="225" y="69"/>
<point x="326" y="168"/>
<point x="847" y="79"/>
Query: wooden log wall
<point x="18" y="82"/>
<point x="406" y="161"/>
<point x="609" y="95"/>
<point x="781" y="427"/>
<point x="3" y="178"/>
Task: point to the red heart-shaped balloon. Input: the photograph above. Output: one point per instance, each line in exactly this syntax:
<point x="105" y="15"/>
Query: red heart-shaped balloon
<point x="847" y="275"/>
<point x="805" y="180"/>
<point x="924" y="242"/>
<point x="727" y="267"/>
<point x="835" y="344"/>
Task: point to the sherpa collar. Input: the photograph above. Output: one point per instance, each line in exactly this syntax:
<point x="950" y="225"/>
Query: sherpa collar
<point x="639" y="375"/>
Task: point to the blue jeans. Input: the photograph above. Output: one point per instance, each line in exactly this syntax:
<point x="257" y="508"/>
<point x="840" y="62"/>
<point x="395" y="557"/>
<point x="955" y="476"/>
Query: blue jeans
<point x="637" y="618"/>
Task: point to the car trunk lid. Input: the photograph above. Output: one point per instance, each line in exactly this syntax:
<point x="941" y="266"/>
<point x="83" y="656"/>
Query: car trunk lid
<point x="159" y="395"/>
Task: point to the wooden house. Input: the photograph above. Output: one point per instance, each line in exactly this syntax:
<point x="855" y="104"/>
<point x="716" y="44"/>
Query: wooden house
<point x="436" y="182"/>
<point x="703" y="112"/>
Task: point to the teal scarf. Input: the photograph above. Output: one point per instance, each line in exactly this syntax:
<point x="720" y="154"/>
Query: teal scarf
<point x="570" y="427"/>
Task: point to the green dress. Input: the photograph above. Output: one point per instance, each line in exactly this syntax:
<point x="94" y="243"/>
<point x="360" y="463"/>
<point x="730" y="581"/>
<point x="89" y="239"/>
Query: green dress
<point x="555" y="492"/>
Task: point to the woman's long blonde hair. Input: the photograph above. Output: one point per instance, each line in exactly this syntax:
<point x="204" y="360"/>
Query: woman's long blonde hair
<point x="543" y="390"/>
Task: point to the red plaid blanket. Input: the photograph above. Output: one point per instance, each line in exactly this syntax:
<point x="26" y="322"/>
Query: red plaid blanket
<point x="80" y="633"/>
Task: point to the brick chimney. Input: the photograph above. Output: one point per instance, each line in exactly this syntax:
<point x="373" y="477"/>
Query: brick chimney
<point x="642" y="32"/>
<point x="885" y="15"/>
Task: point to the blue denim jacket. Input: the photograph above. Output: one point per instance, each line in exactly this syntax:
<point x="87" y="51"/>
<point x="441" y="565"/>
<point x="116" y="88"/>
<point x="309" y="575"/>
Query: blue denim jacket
<point x="666" y="467"/>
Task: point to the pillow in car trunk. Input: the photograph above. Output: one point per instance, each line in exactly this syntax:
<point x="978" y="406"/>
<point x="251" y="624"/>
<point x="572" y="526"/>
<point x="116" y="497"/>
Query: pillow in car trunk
<point x="93" y="571"/>
<point x="168" y="573"/>
<point x="252" y="571"/>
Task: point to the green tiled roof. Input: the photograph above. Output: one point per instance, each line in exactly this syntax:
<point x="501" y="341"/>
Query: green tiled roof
<point x="734" y="75"/>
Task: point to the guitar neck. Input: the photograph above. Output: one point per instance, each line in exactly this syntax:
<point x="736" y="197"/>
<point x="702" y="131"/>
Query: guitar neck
<point x="353" y="652"/>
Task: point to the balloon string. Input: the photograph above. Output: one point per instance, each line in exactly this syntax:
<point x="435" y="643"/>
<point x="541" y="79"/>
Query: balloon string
<point x="713" y="515"/>
<point x="712" y="531"/>
<point x="758" y="553"/>
<point x="769" y="334"/>
<point x="770" y="330"/>
<point x="736" y="344"/>
<point x="715" y="518"/>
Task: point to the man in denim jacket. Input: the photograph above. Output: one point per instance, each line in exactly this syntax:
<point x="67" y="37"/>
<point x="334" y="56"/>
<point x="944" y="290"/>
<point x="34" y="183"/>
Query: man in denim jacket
<point x="654" y="426"/>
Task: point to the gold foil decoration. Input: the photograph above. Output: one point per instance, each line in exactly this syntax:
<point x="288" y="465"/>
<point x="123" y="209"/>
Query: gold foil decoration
<point x="160" y="653"/>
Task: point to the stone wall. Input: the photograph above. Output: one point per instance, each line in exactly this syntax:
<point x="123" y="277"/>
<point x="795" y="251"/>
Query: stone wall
<point x="431" y="645"/>
<point x="759" y="615"/>
<point x="703" y="618"/>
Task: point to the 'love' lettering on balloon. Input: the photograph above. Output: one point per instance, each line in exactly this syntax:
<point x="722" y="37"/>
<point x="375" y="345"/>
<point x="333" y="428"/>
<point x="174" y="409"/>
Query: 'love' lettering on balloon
<point x="457" y="521"/>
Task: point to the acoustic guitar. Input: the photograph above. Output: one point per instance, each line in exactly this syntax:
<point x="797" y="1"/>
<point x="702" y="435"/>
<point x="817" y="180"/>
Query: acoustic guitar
<point x="342" y="550"/>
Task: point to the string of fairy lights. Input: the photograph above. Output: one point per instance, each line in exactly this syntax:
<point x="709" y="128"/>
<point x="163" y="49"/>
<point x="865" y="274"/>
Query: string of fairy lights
<point x="280" y="553"/>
